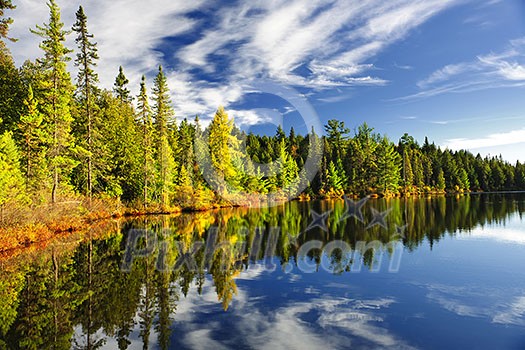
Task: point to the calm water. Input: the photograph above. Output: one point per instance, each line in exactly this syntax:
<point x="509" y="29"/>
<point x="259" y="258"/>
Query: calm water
<point x="442" y="273"/>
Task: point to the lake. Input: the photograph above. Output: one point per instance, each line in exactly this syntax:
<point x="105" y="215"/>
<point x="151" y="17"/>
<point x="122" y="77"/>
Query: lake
<point x="415" y="273"/>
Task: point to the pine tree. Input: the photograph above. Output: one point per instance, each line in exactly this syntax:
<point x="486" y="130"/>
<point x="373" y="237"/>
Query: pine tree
<point x="388" y="167"/>
<point x="12" y="90"/>
<point x="86" y="89"/>
<point x="57" y="92"/>
<point x="120" y="87"/>
<point x="440" y="185"/>
<point x="5" y="21"/>
<point x="163" y="112"/>
<point x="120" y="149"/>
<point x="221" y="145"/>
<point x="363" y="159"/>
<point x="33" y="139"/>
<point x="408" y="174"/>
<point x="334" y="180"/>
<point x="337" y="134"/>
<point x="144" y="114"/>
<point x="288" y="172"/>
<point x="12" y="185"/>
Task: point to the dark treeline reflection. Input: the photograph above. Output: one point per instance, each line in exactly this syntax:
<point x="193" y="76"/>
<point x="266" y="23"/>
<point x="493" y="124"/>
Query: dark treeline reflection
<point x="77" y="296"/>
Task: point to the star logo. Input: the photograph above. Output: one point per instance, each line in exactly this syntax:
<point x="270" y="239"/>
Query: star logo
<point x="319" y="220"/>
<point x="400" y="231"/>
<point x="292" y="241"/>
<point x="354" y="208"/>
<point x="378" y="218"/>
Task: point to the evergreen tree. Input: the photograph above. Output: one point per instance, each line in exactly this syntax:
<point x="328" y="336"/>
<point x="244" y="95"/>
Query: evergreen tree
<point x="335" y="182"/>
<point x="408" y="174"/>
<point x="120" y="86"/>
<point x="221" y="145"/>
<point x="5" y="21"/>
<point x="120" y="149"/>
<point x="57" y="91"/>
<point x="11" y="179"/>
<point x="12" y="91"/>
<point x="163" y="112"/>
<point x="465" y="182"/>
<point x="144" y="114"/>
<point x="388" y="166"/>
<point x="440" y="185"/>
<point x="288" y="172"/>
<point x="337" y="134"/>
<point x="362" y="159"/>
<point x="33" y="138"/>
<point x="86" y="89"/>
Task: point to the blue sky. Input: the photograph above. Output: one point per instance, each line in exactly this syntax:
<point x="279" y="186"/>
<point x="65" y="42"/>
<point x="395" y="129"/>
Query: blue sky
<point x="452" y="70"/>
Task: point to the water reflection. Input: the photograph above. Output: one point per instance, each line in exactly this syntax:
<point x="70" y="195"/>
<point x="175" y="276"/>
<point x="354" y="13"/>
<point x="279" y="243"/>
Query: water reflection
<point x="75" y="295"/>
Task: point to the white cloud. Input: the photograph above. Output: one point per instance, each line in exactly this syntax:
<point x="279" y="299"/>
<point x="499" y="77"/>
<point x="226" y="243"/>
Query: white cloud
<point x="128" y="32"/>
<point x="314" y="45"/>
<point x="444" y="74"/>
<point x="496" y="139"/>
<point x="494" y="70"/>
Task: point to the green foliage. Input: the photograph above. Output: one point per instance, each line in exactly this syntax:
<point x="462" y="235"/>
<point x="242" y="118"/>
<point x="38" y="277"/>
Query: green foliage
<point x="87" y="78"/>
<point x="5" y="21"/>
<point x="144" y="116"/>
<point x="222" y="145"/>
<point x="12" y="186"/>
<point x="163" y="113"/>
<point x="56" y="91"/>
<point x="33" y="139"/>
<point x="120" y="86"/>
<point x="12" y="91"/>
<point x="388" y="167"/>
<point x="99" y="143"/>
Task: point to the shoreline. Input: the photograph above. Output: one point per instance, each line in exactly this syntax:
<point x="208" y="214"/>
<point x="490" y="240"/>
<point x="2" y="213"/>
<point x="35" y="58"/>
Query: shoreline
<point x="21" y="237"/>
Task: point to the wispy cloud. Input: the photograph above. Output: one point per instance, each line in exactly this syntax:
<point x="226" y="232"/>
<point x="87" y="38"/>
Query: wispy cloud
<point x="212" y="59"/>
<point x="493" y="70"/>
<point x="496" y="139"/>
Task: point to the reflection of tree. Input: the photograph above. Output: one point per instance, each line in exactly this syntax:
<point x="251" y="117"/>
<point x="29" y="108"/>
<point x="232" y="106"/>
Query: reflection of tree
<point x="50" y="296"/>
<point x="46" y="305"/>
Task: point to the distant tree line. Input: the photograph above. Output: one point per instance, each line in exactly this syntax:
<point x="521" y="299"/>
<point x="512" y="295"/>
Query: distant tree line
<point x="59" y="138"/>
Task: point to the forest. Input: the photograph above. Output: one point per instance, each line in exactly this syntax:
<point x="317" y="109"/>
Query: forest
<point x="65" y="138"/>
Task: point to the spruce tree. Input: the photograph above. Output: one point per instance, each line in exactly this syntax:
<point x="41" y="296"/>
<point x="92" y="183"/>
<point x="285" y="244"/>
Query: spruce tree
<point x="11" y="180"/>
<point x="144" y="114"/>
<point x="5" y="21"/>
<point x="120" y="87"/>
<point x="388" y="167"/>
<point x="220" y="143"/>
<point x="163" y="112"/>
<point x="33" y="139"/>
<point x="57" y="91"/>
<point x="86" y="89"/>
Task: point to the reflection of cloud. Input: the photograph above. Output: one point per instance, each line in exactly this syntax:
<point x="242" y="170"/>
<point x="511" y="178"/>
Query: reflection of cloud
<point x="457" y="306"/>
<point x="515" y="314"/>
<point x="479" y="302"/>
<point x="507" y="235"/>
<point x="331" y="322"/>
